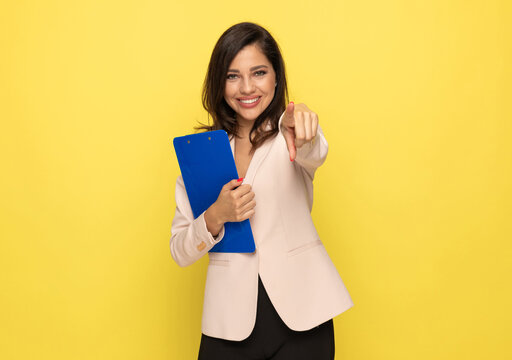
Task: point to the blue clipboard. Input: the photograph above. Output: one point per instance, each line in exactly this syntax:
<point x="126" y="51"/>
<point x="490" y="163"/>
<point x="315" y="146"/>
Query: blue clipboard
<point x="207" y="164"/>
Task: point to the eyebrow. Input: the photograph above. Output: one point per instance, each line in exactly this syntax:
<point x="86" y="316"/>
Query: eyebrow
<point x="251" y="69"/>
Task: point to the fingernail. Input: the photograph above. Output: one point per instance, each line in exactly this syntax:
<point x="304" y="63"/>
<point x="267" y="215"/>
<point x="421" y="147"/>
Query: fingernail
<point x="240" y="179"/>
<point x="291" y="158"/>
<point x="291" y="102"/>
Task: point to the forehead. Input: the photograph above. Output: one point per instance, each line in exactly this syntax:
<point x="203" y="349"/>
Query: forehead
<point x="251" y="55"/>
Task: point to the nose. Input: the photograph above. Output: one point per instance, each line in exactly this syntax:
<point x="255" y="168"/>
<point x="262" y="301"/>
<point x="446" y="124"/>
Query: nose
<point x="247" y="86"/>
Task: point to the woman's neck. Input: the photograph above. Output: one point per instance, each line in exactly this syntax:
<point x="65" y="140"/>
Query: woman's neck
<point x="244" y="130"/>
<point x="245" y="127"/>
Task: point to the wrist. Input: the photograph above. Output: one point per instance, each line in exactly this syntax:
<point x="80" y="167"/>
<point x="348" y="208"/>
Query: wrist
<point x="213" y="223"/>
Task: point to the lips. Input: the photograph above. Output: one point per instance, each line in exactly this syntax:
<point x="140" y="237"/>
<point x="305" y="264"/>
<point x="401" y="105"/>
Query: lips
<point x="249" y="102"/>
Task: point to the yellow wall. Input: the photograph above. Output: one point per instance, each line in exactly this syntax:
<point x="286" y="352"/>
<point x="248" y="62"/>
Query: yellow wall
<point x="413" y="203"/>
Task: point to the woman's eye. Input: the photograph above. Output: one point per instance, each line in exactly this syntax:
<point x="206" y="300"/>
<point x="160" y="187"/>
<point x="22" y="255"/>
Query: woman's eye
<point x="260" y="73"/>
<point x="232" y="76"/>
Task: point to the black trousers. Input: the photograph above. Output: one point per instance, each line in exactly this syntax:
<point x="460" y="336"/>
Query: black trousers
<point x="271" y="339"/>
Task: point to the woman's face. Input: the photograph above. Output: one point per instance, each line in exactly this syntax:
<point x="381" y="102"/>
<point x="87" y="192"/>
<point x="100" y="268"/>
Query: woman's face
<point x="250" y="83"/>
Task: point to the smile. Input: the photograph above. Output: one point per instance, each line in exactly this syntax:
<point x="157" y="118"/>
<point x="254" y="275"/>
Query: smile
<point x="249" y="102"/>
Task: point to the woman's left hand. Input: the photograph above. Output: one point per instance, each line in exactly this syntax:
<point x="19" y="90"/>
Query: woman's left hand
<point x="299" y="126"/>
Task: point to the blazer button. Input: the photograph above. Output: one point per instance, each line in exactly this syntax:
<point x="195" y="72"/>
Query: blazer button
<point x="201" y="246"/>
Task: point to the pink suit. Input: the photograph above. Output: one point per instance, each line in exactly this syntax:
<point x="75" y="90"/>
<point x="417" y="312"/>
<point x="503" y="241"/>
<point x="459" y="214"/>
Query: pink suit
<point x="300" y="278"/>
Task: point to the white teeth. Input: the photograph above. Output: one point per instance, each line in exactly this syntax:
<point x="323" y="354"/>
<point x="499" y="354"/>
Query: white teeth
<point x="249" y="101"/>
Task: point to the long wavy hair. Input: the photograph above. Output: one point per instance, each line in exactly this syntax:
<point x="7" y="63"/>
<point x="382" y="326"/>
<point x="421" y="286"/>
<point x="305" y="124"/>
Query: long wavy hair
<point x="229" y="44"/>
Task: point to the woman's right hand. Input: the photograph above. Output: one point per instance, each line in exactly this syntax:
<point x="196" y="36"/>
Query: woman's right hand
<point x="235" y="203"/>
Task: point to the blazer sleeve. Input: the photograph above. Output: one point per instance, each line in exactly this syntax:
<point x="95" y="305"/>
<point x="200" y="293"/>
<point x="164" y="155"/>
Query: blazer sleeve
<point x="190" y="239"/>
<point x="312" y="154"/>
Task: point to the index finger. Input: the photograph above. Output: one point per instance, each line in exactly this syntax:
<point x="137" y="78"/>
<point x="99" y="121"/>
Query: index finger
<point x="242" y="189"/>
<point x="232" y="184"/>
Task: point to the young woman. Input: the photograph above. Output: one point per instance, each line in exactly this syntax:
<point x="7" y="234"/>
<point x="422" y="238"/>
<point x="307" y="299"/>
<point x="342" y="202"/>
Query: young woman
<point x="278" y="302"/>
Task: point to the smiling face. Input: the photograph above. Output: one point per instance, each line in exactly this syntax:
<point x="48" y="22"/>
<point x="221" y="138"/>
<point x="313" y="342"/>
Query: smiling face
<point x="250" y="84"/>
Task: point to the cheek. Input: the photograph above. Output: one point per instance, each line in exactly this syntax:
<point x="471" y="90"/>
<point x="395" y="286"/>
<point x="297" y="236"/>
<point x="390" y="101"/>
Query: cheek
<point x="270" y="85"/>
<point x="229" y="92"/>
<point x="271" y="88"/>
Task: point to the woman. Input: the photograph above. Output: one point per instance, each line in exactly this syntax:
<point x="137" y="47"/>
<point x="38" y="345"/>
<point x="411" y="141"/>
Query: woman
<point x="278" y="302"/>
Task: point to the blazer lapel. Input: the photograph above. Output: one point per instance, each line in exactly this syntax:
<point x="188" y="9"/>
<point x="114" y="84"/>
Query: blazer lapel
<point x="257" y="159"/>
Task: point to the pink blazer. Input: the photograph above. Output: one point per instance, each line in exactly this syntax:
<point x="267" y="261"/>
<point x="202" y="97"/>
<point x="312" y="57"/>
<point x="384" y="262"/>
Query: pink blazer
<point x="300" y="278"/>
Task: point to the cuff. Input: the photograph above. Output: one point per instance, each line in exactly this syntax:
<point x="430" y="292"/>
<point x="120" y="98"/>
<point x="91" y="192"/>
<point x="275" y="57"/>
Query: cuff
<point x="205" y="239"/>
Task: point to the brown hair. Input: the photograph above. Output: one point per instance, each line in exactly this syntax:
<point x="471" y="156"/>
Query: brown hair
<point x="224" y="117"/>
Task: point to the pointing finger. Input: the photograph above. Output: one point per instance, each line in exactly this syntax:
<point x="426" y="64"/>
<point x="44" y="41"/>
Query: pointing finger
<point x="289" y="137"/>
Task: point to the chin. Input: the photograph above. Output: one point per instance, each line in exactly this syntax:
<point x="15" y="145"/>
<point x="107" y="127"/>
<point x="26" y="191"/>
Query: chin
<point x="249" y="117"/>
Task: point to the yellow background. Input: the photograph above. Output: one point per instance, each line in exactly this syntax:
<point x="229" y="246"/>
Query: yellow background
<point x="413" y="203"/>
